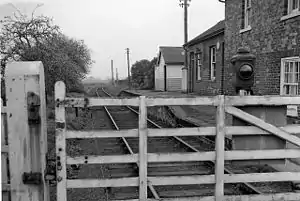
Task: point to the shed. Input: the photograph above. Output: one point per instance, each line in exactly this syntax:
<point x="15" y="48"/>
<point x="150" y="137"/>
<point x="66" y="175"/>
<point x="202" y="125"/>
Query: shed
<point x="168" y="73"/>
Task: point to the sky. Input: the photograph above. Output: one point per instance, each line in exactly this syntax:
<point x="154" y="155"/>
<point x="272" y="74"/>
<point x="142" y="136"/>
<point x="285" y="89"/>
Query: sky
<point x="110" y="26"/>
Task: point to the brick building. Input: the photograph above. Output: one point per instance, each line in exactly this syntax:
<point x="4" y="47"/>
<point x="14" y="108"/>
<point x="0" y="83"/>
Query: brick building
<point x="271" y="30"/>
<point x="206" y="61"/>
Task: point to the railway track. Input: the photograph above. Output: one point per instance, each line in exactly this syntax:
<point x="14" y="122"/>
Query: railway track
<point x="163" y="145"/>
<point x="127" y="118"/>
<point x="201" y="143"/>
<point x="172" y="169"/>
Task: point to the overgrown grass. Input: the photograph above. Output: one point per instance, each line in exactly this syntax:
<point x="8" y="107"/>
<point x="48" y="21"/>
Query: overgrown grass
<point x="162" y="114"/>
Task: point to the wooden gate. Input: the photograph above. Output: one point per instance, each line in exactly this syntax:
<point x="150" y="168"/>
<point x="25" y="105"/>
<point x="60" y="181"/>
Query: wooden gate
<point x="224" y="104"/>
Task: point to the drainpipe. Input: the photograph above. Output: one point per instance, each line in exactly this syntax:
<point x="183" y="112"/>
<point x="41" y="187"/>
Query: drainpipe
<point x="223" y="63"/>
<point x="188" y="70"/>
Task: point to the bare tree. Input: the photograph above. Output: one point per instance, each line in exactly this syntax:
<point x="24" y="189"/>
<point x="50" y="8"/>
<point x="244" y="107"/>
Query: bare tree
<point x="36" y="38"/>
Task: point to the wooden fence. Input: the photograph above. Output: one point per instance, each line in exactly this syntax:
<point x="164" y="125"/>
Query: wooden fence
<point x="224" y="104"/>
<point x="4" y="156"/>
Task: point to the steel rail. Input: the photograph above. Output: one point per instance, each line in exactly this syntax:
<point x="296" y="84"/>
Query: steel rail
<point x="250" y="186"/>
<point x="254" y="189"/>
<point x="155" y="194"/>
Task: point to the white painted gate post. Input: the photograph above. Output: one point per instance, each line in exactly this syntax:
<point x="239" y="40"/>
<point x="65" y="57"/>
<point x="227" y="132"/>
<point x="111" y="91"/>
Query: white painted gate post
<point x="220" y="149"/>
<point x="27" y="133"/>
<point x="143" y="150"/>
<point x="60" y="128"/>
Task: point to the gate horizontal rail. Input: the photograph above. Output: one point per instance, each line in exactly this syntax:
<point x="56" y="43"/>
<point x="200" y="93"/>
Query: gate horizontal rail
<point x="207" y="101"/>
<point x="223" y="104"/>
<point x="186" y="157"/>
<point x="184" y="180"/>
<point x="199" y="131"/>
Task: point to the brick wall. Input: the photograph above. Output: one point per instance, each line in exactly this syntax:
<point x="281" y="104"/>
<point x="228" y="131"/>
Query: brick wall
<point x="206" y="86"/>
<point x="269" y="39"/>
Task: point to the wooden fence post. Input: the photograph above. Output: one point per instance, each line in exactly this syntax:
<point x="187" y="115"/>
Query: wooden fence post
<point x="220" y="149"/>
<point x="143" y="150"/>
<point x="27" y="138"/>
<point x="60" y="129"/>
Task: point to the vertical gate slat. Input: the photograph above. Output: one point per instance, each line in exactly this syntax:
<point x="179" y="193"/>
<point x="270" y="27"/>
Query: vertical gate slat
<point x="60" y="128"/>
<point x="220" y="149"/>
<point x="4" y="154"/>
<point x="44" y="136"/>
<point x="143" y="150"/>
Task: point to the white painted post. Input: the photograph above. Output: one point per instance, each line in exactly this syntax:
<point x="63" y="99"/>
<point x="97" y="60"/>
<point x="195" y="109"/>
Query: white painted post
<point x="27" y="142"/>
<point x="143" y="150"/>
<point x="220" y="149"/>
<point x="60" y="129"/>
<point x="4" y="155"/>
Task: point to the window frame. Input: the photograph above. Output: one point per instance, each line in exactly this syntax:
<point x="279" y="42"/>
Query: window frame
<point x="198" y="60"/>
<point x="212" y="63"/>
<point x="290" y="5"/>
<point x="247" y="11"/>
<point x="282" y="74"/>
<point x="291" y="12"/>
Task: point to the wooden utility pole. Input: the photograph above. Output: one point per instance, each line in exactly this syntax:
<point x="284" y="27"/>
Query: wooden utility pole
<point x="117" y="76"/>
<point x="112" y="71"/>
<point x="185" y="5"/>
<point x="129" y="81"/>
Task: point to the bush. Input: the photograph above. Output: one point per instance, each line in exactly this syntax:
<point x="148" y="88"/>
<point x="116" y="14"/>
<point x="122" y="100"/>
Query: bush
<point x="78" y="88"/>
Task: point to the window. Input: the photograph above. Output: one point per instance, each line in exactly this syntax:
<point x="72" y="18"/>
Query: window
<point x="247" y="13"/>
<point x="198" y="65"/>
<point x="293" y="6"/>
<point x="291" y="9"/>
<point x="290" y="76"/>
<point x="212" y="51"/>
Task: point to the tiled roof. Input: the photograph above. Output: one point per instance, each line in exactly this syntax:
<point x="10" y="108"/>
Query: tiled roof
<point x="216" y="29"/>
<point x="172" y="55"/>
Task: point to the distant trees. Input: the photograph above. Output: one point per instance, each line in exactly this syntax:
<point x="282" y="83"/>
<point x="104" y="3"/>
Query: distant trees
<point x="36" y="38"/>
<point x="142" y="73"/>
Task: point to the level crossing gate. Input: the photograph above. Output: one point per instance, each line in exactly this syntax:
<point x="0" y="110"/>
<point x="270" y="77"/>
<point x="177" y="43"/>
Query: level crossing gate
<point x="224" y="104"/>
<point x="24" y="143"/>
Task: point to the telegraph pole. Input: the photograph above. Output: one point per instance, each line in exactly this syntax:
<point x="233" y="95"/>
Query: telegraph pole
<point x="129" y="81"/>
<point x="185" y="4"/>
<point x="112" y="71"/>
<point x="117" y="76"/>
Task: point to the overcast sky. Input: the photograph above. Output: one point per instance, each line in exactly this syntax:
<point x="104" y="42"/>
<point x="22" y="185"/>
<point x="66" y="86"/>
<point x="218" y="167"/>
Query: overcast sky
<point x="110" y="26"/>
